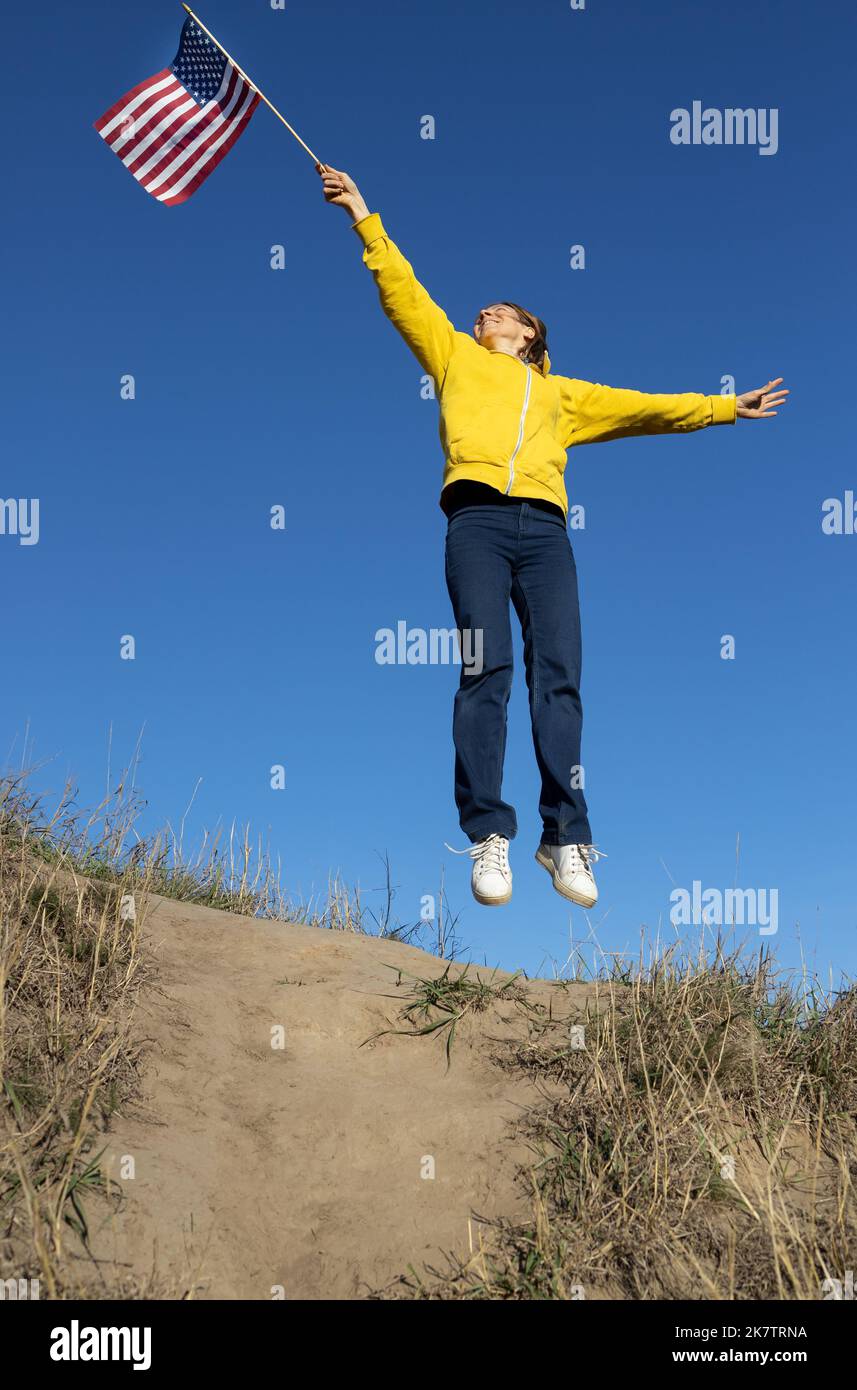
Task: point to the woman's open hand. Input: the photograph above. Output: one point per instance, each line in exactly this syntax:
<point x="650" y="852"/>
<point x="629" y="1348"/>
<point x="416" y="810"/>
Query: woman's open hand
<point x="341" y="190"/>
<point x="761" y="404"/>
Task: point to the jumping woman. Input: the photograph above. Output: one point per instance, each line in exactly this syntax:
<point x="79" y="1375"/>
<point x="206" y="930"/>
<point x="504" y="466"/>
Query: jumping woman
<point x="506" y="422"/>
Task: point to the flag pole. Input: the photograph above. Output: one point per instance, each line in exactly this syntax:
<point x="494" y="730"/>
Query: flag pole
<point x="240" y="70"/>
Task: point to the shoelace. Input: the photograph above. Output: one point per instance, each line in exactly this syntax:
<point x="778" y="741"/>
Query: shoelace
<point x="588" y="855"/>
<point x="491" y="852"/>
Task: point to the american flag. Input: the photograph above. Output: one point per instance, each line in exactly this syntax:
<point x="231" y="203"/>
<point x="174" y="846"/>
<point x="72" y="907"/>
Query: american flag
<point x="174" y="128"/>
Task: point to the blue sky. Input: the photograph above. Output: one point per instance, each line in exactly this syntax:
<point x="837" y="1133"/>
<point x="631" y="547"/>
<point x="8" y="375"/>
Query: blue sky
<point x="257" y="387"/>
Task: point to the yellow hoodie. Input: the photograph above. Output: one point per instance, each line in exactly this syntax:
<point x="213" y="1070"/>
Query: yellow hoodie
<point x="503" y="422"/>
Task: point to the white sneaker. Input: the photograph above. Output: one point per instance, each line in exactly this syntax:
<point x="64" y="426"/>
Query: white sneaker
<point x="570" y="867"/>
<point x="491" y="880"/>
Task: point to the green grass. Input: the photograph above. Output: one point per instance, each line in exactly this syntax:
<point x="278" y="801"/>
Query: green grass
<point x="437" y="1005"/>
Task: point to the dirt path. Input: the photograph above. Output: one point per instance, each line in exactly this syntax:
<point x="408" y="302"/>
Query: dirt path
<point x="300" y="1166"/>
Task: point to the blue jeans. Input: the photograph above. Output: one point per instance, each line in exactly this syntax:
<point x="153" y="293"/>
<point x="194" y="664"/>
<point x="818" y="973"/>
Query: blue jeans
<point x="517" y="552"/>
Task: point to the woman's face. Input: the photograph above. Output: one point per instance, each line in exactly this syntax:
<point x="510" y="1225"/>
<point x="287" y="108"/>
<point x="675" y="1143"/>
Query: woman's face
<point x="499" y="329"/>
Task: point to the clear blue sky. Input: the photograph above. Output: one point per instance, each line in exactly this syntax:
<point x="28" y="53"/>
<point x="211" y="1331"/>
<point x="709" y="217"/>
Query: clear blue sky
<point x="257" y="387"/>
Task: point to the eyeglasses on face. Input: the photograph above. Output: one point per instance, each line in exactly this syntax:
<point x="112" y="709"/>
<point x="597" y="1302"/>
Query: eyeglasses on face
<point x="501" y="309"/>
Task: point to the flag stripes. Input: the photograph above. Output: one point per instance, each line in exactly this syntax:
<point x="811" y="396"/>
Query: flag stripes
<point x="171" y="136"/>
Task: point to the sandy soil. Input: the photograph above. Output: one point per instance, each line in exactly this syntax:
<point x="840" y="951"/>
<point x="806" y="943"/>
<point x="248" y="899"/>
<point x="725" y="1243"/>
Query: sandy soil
<point x="300" y="1167"/>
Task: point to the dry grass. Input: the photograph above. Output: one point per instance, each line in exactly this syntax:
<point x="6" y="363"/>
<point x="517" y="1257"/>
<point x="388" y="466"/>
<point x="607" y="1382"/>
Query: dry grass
<point x="70" y="967"/>
<point x="700" y="1144"/>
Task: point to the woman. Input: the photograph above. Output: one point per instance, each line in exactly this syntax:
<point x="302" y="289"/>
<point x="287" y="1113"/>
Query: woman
<point x="505" y="424"/>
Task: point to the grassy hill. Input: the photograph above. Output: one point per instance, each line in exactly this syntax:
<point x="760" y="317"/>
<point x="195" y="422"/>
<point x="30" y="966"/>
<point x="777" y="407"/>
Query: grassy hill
<point x="209" y="1092"/>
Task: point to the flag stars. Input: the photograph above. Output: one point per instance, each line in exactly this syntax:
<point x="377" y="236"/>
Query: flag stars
<point x="200" y="65"/>
<point x="193" y="140"/>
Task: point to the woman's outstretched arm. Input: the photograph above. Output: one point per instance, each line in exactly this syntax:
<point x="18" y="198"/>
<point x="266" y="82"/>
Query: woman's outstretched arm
<point x="422" y="323"/>
<point x="591" y="413"/>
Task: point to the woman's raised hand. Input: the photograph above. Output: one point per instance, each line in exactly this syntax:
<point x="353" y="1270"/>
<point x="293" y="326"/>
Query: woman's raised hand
<point x="341" y="190"/>
<point x="762" y="403"/>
